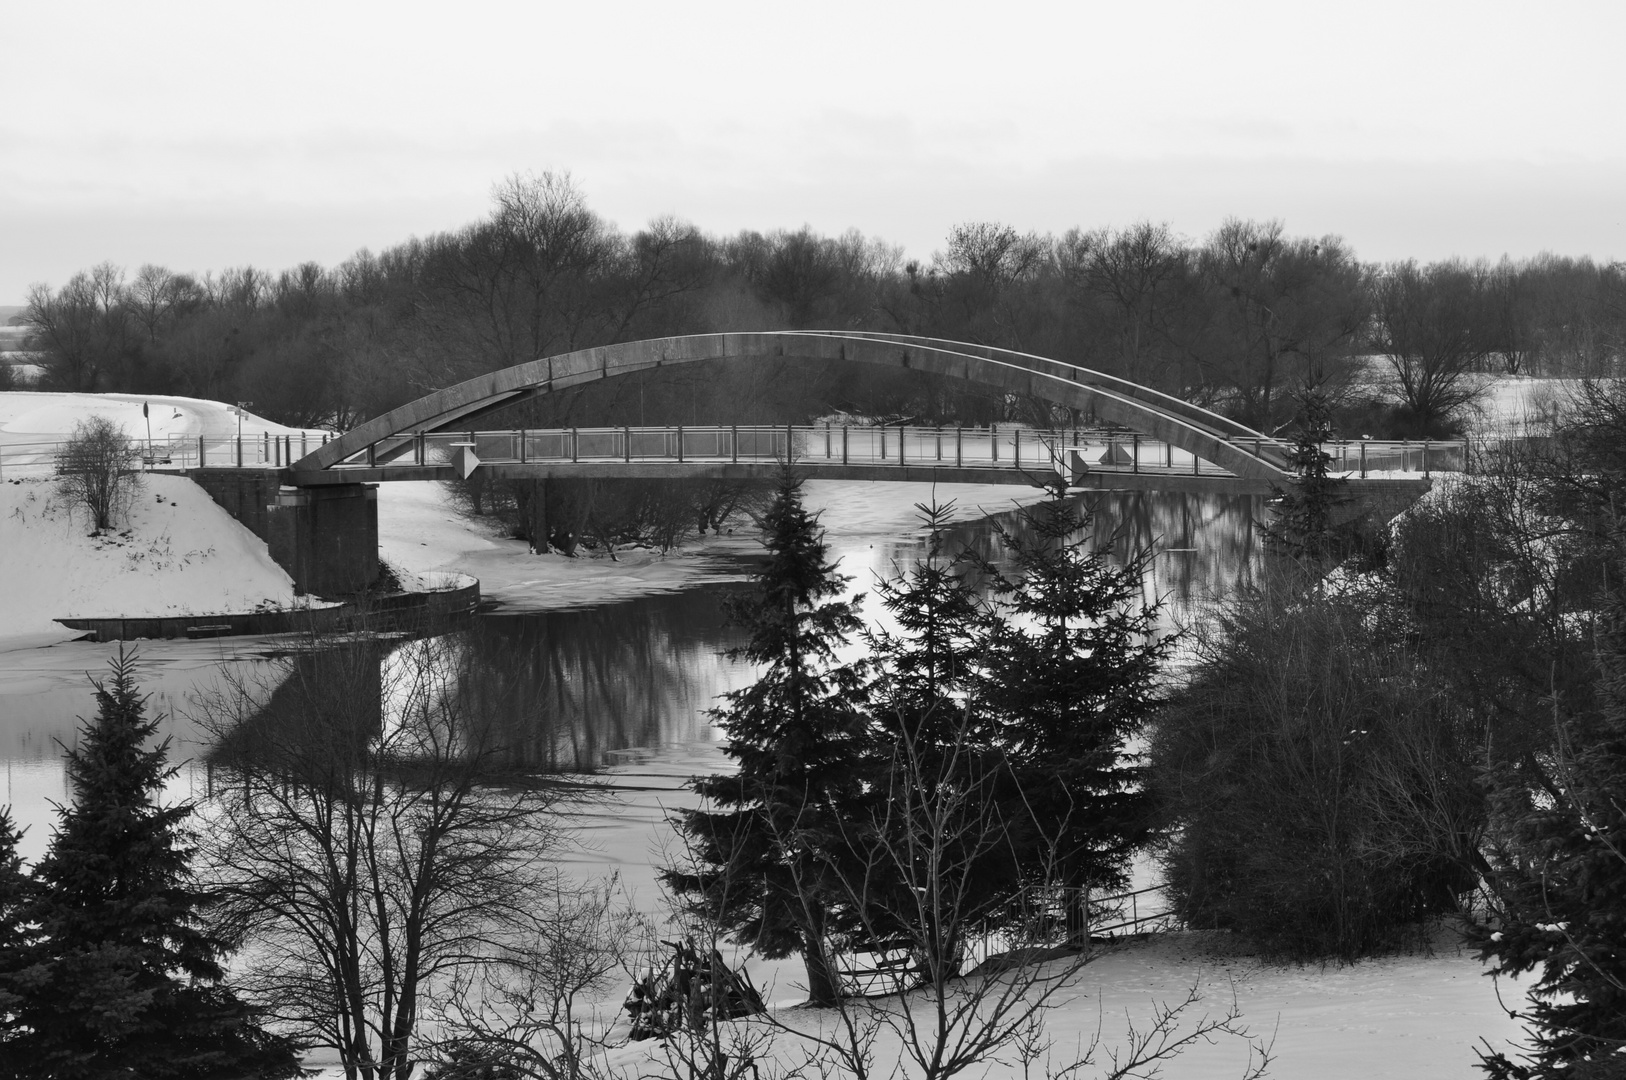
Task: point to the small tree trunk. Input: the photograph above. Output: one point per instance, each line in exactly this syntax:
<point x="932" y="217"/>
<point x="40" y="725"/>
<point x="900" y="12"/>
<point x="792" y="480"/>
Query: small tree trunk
<point x="823" y="987"/>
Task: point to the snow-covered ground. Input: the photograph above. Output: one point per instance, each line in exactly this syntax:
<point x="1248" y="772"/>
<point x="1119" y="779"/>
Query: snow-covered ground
<point x="175" y="553"/>
<point x="1410" y="1017"/>
<point x="29" y="416"/>
<point x="1406" y="1016"/>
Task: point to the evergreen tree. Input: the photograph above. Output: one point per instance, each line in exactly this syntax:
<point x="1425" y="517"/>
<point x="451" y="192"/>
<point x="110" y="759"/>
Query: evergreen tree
<point x="122" y="979"/>
<point x="1068" y="677"/>
<point x="15" y="935"/>
<point x="926" y="668"/>
<point x="1301" y="527"/>
<point x="933" y="743"/>
<point x="762" y="856"/>
<point x="1560" y="877"/>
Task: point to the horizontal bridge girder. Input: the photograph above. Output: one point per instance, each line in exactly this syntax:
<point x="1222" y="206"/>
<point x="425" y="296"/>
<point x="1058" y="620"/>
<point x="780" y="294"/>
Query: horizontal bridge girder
<point x="1238" y="450"/>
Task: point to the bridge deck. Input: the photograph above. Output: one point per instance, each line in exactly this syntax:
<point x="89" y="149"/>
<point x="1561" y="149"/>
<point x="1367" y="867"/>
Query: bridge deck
<point x="1097" y="458"/>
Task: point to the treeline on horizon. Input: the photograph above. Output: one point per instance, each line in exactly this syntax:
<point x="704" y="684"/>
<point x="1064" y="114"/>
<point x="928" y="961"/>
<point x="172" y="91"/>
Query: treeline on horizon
<point x="1242" y="320"/>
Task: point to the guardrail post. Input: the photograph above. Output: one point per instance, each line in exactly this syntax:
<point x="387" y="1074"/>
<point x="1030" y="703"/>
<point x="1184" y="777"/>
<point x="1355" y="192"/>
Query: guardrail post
<point x="1135" y="465"/>
<point x="626" y="442"/>
<point x="1168" y="454"/>
<point x="827" y="454"/>
<point x="959" y="446"/>
<point x="734" y="442"/>
<point x="1018" y="448"/>
<point x="200" y="452"/>
<point x="1363" y="459"/>
<point x="679" y="440"/>
<point x="901" y="440"/>
<point x="1425" y="459"/>
<point x="844" y="444"/>
<point x="790" y="443"/>
<point x="1196" y="464"/>
<point x="939" y="444"/>
<point x="993" y="440"/>
<point x="302" y="450"/>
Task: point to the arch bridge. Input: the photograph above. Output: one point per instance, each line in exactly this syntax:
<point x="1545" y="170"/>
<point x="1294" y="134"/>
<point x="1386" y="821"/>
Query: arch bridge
<point x="413" y="441"/>
<point x="318" y="512"/>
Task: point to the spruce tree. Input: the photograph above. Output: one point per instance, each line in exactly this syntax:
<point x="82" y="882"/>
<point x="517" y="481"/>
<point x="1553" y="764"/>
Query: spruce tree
<point x="927" y="666"/>
<point x="1560" y="877"/>
<point x="1301" y="526"/>
<point x="762" y="855"/>
<point x="123" y="979"/>
<point x="935" y="757"/>
<point x="1068" y="678"/>
<point x="15" y="937"/>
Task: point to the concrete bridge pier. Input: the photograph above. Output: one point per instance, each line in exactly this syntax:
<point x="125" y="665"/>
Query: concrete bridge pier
<point x="325" y="537"/>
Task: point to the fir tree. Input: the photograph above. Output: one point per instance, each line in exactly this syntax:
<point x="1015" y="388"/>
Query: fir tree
<point x="927" y="666"/>
<point x="122" y="979"/>
<point x="1301" y="527"/>
<point x="15" y="936"/>
<point x="1068" y="677"/>
<point x="933" y="741"/>
<point x="1560" y="877"/>
<point x="762" y="856"/>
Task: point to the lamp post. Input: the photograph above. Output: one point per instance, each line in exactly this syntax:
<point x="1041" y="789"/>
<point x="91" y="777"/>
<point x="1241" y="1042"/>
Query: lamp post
<point x="240" y="406"/>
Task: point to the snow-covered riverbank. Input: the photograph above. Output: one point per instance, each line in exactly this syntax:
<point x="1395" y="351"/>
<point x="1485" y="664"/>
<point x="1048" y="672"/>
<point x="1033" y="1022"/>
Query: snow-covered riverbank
<point x="1404" y="1016"/>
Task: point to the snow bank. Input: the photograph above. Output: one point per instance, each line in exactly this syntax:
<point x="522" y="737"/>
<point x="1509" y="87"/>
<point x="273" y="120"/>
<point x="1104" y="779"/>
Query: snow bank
<point x="178" y="553"/>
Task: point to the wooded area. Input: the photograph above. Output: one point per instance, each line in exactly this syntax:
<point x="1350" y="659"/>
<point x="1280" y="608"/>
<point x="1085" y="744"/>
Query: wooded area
<point x="1239" y="320"/>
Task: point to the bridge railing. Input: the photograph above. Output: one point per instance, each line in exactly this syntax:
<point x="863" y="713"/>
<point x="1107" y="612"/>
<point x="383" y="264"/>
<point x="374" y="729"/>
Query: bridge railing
<point x="999" y="446"/>
<point x="175" y="453"/>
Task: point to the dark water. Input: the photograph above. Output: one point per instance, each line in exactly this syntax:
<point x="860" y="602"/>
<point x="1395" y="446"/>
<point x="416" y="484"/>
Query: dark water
<point x="582" y="688"/>
<point x="577" y="687"/>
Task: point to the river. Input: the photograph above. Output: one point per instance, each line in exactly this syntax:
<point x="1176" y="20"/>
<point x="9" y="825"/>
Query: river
<point x="622" y="684"/>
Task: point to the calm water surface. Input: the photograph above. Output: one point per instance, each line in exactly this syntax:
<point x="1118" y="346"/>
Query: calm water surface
<point x="585" y="687"/>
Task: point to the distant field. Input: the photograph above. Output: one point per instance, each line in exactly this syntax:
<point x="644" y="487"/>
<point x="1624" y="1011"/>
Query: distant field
<point x="7" y="311"/>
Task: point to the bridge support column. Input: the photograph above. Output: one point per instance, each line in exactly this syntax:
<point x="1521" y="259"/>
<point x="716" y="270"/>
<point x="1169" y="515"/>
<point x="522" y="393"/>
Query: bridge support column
<point x="326" y="538"/>
<point x="536" y="515"/>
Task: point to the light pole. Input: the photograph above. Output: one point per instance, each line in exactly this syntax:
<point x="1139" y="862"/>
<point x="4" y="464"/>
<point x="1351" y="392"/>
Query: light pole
<point x="240" y="405"/>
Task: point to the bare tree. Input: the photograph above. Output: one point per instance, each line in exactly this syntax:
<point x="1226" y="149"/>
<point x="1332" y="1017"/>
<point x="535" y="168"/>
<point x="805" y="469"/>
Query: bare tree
<point x="79" y="329"/>
<point x="371" y="844"/>
<point x="1282" y="313"/>
<point x="96" y="469"/>
<point x="914" y="882"/>
<point x="1136" y="279"/>
<point x="526" y="1012"/>
<point x="1434" y="324"/>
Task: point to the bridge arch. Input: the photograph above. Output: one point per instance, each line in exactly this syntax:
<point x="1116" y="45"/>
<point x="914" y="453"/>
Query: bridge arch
<point x="1232" y="446"/>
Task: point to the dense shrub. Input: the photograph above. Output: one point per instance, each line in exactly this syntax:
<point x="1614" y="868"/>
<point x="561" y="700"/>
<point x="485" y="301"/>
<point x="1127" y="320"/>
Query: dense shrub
<point x="1318" y="783"/>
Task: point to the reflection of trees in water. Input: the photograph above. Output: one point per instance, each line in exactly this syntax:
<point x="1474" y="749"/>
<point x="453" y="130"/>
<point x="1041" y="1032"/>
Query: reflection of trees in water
<point x="340" y="687"/>
<point x="1206" y="543"/>
<point x="569" y="686"/>
<point x="572" y="685"/>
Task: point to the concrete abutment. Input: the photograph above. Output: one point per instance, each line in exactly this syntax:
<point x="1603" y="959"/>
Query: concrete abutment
<point x="326" y="537"/>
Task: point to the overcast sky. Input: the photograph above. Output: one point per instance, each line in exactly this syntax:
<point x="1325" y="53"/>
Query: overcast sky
<point x="205" y="135"/>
